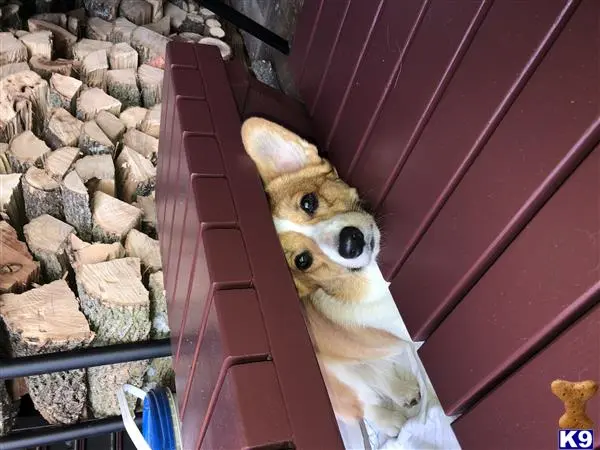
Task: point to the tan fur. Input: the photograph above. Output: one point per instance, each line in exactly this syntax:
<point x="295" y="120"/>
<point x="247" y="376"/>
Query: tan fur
<point x="348" y="324"/>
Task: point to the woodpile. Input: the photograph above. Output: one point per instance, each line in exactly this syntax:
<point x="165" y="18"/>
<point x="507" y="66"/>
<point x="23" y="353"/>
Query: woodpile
<point x="80" y="266"/>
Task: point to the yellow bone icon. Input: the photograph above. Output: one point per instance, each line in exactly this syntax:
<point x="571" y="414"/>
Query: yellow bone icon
<point x="574" y="394"/>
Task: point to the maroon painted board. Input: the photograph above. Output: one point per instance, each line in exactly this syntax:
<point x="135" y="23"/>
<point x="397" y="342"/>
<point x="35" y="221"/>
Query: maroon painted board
<point x="359" y="23"/>
<point x="548" y="275"/>
<point x="510" y="169"/>
<point x="523" y="412"/>
<point x="216" y="219"/>
<point x="430" y="62"/>
<point x="302" y="386"/>
<point x="502" y="47"/>
<point x="249" y="412"/>
<point x="234" y="334"/>
<point x="376" y="74"/>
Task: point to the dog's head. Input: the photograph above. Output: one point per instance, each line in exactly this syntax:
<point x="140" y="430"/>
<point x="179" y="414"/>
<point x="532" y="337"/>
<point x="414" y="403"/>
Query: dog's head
<point x="326" y="235"/>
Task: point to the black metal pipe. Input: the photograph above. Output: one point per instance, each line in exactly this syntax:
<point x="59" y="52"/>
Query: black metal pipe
<point x="32" y="437"/>
<point x="263" y="34"/>
<point x="83" y="358"/>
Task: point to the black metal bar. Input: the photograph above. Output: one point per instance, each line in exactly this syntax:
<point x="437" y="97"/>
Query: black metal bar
<point x="32" y="437"/>
<point x="82" y="358"/>
<point x="263" y="34"/>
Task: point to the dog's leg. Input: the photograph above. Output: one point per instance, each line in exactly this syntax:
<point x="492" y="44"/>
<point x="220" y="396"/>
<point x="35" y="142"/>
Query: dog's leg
<point x="389" y="421"/>
<point x="404" y="392"/>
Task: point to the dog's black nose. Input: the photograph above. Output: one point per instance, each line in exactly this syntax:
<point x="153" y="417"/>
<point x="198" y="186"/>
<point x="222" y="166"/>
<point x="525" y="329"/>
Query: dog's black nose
<point x="352" y="242"/>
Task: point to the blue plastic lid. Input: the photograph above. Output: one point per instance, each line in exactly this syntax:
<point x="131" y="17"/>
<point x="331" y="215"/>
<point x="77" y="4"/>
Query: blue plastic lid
<point x="157" y="422"/>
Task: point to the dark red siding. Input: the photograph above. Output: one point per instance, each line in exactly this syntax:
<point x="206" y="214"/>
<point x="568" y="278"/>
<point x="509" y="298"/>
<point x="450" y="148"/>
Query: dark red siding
<point x="472" y="128"/>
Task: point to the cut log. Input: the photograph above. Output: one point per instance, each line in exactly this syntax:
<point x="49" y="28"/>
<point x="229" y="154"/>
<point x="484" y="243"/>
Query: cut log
<point x="123" y="56"/>
<point x="192" y="23"/>
<point x="162" y="26"/>
<point x="193" y="8"/>
<point x="18" y="270"/>
<point x="122" y="85"/>
<point x="85" y="253"/>
<point x="175" y="13"/>
<point x="157" y="9"/>
<point x="76" y="205"/>
<point x="113" y="127"/>
<point x="49" y="239"/>
<point x="138" y="12"/>
<point x="46" y="67"/>
<point x="23" y="104"/>
<point x="93" y="141"/>
<point x="10" y="17"/>
<point x="63" y="40"/>
<point x="47" y="320"/>
<point x="98" y="173"/>
<point x="93" y="100"/>
<point x="11" y="49"/>
<point x="151" y="82"/>
<point x="150" y="45"/>
<point x="144" y="144"/>
<point x="64" y="92"/>
<point x="117" y="306"/>
<point x="38" y="43"/>
<point x="213" y="23"/>
<point x="207" y="13"/>
<point x="62" y="129"/>
<point x="58" y="162"/>
<point x="148" y="206"/>
<point x="158" y="304"/>
<point x="76" y="20"/>
<point x="190" y="37"/>
<point x="224" y="48"/>
<point x="216" y="32"/>
<point x="122" y="30"/>
<point x="25" y="151"/>
<point x="99" y="29"/>
<point x="86" y="46"/>
<point x="133" y="117"/>
<point x="181" y="4"/>
<point x="113" y="218"/>
<point x="138" y="245"/>
<point x="11" y="200"/>
<point x="160" y="371"/>
<point x="151" y="123"/>
<point x="9" y="69"/>
<point x="135" y="175"/>
<point x="105" y="9"/>
<point x="59" y="19"/>
<point x="41" y="194"/>
<point x="94" y="69"/>
<point x="4" y="162"/>
<point x="8" y="410"/>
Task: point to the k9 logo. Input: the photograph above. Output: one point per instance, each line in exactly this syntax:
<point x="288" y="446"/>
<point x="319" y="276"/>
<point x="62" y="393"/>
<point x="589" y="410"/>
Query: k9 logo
<point x="575" y="439"/>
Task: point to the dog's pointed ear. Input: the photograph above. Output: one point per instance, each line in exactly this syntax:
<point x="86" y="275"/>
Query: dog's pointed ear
<point x="276" y="150"/>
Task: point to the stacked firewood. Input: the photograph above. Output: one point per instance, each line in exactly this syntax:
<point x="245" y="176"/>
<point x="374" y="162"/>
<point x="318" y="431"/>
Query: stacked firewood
<point x="80" y="108"/>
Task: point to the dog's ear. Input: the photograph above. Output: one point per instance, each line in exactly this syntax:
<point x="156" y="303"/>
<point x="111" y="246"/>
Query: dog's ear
<point x="276" y="150"/>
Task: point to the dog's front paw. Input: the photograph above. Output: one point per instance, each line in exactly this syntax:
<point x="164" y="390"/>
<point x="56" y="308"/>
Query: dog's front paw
<point x="385" y="420"/>
<point x="413" y="400"/>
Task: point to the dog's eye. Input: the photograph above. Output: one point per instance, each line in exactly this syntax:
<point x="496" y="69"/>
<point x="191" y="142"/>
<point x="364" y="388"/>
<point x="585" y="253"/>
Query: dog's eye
<point x="309" y="203"/>
<point x="303" y="260"/>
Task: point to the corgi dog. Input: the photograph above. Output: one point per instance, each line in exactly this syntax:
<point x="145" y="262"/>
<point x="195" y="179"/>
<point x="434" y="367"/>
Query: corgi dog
<point x="331" y="246"/>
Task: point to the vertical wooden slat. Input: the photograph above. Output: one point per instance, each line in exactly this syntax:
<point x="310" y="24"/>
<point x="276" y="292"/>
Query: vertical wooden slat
<point x="523" y="412"/>
<point x="444" y="37"/>
<point x="506" y="173"/>
<point x="547" y="278"/>
<point x="492" y="69"/>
